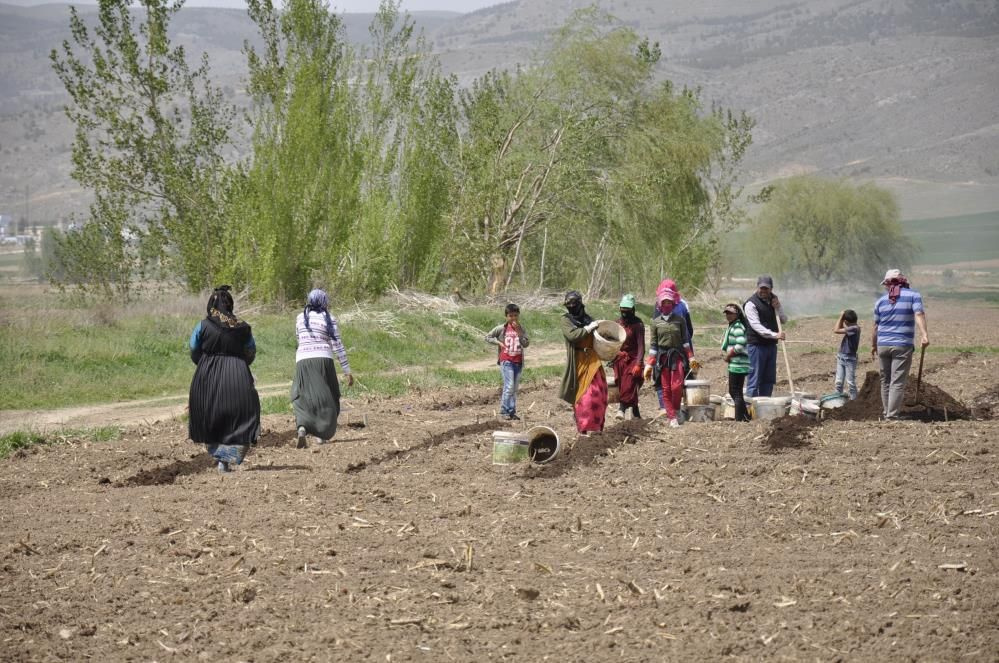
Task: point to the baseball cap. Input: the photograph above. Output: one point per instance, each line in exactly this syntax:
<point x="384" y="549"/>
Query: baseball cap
<point x="765" y="281"/>
<point x="628" y="301"/>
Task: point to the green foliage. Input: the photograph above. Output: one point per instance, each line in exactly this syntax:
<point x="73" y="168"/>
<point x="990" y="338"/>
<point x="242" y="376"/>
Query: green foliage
<point x="12" y="442"/>
<point x="149" y="137"/>
<point x="58" y="352"/>
<point x="349" y="182"/>
<point x="16" y="440"/>
<point x="580" y="167"/>
<point x="829" y="230"/>
<point x="371" y="170"/>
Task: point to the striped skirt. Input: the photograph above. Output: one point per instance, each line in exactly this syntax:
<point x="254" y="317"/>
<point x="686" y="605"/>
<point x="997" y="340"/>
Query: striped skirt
<point x="223" y="405"/>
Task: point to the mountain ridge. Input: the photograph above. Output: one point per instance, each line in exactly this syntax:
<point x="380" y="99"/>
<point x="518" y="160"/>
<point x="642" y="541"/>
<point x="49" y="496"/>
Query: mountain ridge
<point x="902" y="92"/>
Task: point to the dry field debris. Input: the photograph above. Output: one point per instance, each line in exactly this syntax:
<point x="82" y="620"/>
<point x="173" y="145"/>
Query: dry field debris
<point x="846" y="539"/>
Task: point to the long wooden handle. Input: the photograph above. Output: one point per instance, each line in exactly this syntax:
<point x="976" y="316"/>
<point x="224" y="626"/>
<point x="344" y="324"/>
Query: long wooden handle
<point x="787" y="364"/>
<point x="919" y="375"/>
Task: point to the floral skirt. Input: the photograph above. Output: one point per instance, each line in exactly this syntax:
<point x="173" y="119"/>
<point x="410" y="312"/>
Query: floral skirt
<point x="591" y="408"/>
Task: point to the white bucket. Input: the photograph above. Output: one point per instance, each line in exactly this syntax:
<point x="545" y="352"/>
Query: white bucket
<point x="765" y="407"/>
<point x="728" y="408"/>
<point x="608" y="338"/>
<point x="509" y="447"/>
<point x="698" y="392"/>
<point x="542" y="445"/>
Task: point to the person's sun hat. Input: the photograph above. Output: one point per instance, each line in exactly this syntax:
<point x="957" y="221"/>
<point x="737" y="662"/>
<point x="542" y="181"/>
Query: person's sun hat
<point x="891" y="275"/>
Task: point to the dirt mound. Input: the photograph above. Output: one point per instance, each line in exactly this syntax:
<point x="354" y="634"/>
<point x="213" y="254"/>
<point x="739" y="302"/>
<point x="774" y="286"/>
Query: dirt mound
<point x="167" y="474"/>
<point x="790" y="433"/>
<point x="986" y="404"/>
<point x="933" y="404"/>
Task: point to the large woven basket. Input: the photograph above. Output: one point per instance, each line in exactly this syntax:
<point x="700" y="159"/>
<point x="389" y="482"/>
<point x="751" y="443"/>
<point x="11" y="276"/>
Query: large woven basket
<point x="608" y="338"/>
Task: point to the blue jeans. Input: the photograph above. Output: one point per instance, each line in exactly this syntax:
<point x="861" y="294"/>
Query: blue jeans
<point x="762" y="370"/>
<point x="846" y="371"/>
<point x="511" y="380"/>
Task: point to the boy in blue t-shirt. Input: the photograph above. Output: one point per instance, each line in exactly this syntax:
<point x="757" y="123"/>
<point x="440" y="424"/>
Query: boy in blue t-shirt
<point x="846" y="358"/>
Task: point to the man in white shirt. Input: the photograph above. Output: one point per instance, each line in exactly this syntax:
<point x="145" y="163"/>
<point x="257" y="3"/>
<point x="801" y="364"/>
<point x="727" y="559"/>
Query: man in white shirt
<point x="763" y="310"/>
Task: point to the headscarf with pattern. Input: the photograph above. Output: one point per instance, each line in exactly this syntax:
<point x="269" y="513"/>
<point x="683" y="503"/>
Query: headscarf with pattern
<point x="220" y="305"/>
<point x="319" y="302"/>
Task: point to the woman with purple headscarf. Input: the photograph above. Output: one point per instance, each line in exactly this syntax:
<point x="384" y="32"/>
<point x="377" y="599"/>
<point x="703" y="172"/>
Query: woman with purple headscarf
<point x="315" y="392"/>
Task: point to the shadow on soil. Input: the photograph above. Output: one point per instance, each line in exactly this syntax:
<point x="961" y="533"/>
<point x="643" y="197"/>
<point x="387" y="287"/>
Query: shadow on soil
<point x="168" y="474"/>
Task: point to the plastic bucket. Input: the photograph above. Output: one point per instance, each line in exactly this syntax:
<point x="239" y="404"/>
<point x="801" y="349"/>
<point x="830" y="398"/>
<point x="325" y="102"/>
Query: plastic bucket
<point x="608" y="338"/>
<point x="542" y="445"/>
<point x="509" y="447"/>
<point x="728" y="408"/>
<point x="770" y="407"/>
<point x="698" y="392"/>
<point x="700" y="413"/>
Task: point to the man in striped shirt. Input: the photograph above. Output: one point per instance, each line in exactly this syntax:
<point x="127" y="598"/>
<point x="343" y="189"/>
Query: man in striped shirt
<point x="897" y="317"/>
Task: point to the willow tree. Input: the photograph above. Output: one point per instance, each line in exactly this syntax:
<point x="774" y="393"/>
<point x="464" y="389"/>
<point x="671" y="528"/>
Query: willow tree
<point x="829" y="230"/>
<point x="675" y="185"/>
<point x="580" y="166"/>
<point x="535" y="143"/>
<point x="150" y="131"/>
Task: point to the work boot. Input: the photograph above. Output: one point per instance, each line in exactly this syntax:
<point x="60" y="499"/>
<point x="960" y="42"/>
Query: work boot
<point x="301" y="443"/>
<point x="634" y="412"/>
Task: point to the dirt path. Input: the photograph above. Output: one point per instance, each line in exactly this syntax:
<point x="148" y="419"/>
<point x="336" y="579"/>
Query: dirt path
<point x="812" y="349"/>
<point x="152" y="410"/>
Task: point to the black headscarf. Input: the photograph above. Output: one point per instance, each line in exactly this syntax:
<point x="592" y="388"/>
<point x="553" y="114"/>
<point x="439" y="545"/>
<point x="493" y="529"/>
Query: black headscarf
<point x="220" y="306"/>
<point x="575" y="310"/>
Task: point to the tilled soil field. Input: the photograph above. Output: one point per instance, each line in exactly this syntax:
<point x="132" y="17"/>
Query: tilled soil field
<point x="846" y="539"/>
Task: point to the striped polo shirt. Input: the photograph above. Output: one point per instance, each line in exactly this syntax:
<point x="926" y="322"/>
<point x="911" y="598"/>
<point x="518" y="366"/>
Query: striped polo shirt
<point x="897" y="322"/>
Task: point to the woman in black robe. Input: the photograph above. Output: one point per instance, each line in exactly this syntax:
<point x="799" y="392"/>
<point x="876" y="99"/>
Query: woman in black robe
<point x="224" y="407"/>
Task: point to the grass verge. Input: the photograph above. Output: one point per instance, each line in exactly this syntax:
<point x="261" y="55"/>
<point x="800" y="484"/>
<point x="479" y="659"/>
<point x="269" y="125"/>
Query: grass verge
<point x="13" y="442"/>
<point x="18" y="440"/>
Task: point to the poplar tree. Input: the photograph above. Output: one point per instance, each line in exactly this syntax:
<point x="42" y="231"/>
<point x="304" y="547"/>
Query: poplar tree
<point x="150" y="130"/>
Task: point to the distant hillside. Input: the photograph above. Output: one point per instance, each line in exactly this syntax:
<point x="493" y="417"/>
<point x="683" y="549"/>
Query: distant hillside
<point x="905" y="91"/>
<point x="902" y="91"/>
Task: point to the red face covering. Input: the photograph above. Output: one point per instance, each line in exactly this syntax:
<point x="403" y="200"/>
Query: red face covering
<point x="666" y="306"/>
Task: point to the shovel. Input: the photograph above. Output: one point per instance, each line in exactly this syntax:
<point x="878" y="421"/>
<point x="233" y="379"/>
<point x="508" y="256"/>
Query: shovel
<point x="919" y="376"/>
<point x="787" y="364"/>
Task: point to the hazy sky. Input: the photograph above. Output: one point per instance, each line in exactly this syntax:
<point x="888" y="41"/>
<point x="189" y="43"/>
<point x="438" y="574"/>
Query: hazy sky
<point x="338" y="5"/>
